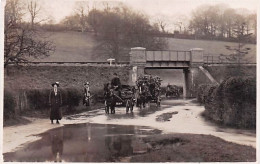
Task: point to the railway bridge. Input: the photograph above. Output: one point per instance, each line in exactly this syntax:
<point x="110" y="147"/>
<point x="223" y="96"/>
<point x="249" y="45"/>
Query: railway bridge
<point x="191" y="62"/>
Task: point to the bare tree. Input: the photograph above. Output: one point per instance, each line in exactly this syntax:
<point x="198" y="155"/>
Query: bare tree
<point x="162" y="21"/>
<point x="13" y="12"/>
<point x="34" y="9"/>
<point x="21" y="46"/>
<point x="22" y="43"/>
<point x="82" y="10"/>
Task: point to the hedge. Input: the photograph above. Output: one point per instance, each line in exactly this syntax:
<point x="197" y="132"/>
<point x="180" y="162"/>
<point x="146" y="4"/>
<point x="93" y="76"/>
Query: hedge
<point x="18" y="101"/>
<point x="233" y="102"/>
<point x="9" y="104"/>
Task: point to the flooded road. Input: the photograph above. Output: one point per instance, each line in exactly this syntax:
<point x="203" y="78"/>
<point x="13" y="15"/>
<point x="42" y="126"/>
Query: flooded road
<point x="85" y="143"/>
<point x="184" y="116"/>
<point x="94" y="136"/>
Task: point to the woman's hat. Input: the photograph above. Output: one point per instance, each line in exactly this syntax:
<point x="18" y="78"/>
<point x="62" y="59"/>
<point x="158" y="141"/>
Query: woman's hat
<point x="56" y="83"/>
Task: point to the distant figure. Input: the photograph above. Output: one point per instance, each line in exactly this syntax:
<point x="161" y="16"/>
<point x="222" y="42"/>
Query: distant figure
<point x="116" y="84"/>
<point x="86" y="94"/>
<point x="55" y="102"/>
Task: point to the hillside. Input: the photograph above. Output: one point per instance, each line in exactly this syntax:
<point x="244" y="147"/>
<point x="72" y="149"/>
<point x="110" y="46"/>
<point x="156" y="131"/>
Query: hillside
<point x="72" y="47"/>
<point x="210" y="47"/>
<point x="80" y="47"/>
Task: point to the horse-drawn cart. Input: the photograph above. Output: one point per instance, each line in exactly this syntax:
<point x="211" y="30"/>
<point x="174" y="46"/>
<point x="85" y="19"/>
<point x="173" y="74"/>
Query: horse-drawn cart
<point x="148" y="90"/>
<point x="113" y="98"/>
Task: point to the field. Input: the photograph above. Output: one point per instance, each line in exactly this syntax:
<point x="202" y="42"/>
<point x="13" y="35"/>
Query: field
<point x="210" y="47"/>
<point x="80" y="47"/>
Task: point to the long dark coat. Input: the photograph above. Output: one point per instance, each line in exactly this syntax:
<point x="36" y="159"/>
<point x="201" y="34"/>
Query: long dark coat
<point x="55" y="102"/>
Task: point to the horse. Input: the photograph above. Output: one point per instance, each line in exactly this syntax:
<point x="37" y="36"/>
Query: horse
<point x="142" y="95"/>
<point x="110" y="99"/>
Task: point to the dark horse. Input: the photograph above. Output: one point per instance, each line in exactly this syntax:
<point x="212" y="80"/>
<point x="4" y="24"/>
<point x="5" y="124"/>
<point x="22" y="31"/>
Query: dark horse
<point x="110" y="99"/>
<point x="142" y="94"/>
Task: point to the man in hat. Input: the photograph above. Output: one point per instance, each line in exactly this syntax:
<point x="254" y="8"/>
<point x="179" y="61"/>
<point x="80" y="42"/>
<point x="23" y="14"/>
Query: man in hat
<point x="115" y="83"/>
<point x="55" y="102"/>
<point x="86" y="94"/>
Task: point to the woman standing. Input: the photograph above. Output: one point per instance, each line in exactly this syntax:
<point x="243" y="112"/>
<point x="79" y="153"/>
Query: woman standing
<point x="55" y="101"/>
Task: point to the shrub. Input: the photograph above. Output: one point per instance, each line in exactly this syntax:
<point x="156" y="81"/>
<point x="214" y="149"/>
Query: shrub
<point x="71" y="97"/>
<point x="9" y="104"/>
<point x="240" y="101"/>
<point x="38" y="98"/>
<point x="213" y="103"/>
<point x="233" y="102"/>
<point x="202" y="92"/>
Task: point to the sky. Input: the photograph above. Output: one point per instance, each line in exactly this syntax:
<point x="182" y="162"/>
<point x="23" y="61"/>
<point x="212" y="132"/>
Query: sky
<point x="58" y="9"/>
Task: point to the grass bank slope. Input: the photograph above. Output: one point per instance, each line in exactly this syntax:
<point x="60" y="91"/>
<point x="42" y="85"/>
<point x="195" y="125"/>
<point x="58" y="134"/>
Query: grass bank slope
<point x="72" y="47"/>
<point x="210" y="47"/>
<point x="80" y="47"/>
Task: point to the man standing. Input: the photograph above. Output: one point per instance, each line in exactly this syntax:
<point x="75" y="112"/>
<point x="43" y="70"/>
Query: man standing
<point x="55" y="102"/>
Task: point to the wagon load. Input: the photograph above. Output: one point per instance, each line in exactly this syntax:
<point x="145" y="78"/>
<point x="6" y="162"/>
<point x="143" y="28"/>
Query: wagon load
<point x="149" y="88"/>
<point x="173" y="90"/>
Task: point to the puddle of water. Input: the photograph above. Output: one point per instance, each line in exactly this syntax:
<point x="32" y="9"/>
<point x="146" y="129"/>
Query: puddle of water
<point x="84" y="143"/>
<point x="165" y="116"/>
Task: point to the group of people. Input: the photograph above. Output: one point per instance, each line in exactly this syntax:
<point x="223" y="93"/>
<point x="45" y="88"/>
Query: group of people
<point x="55" y="97"/>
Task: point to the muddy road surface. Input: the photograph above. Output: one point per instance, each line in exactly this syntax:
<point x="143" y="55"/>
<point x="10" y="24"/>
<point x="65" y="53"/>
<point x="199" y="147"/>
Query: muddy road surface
<point x="174" y="132"/>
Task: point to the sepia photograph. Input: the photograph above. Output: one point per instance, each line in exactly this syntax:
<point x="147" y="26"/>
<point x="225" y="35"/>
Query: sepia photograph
<point x="129" y="81"/>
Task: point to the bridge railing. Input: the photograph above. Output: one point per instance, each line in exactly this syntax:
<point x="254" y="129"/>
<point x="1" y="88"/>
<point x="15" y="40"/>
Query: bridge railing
<point x="168" y="55"/>
<point x="223" y="59"/>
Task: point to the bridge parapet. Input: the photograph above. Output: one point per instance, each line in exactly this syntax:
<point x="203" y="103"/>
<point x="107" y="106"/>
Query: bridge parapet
<point x="137" y="56"/>
<point x="197" y="56"/>
<point x="168" y="55"/>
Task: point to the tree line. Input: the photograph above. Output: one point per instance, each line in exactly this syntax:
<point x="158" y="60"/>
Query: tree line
<point x="116" y="27"/>
<point x="222" y="22"/>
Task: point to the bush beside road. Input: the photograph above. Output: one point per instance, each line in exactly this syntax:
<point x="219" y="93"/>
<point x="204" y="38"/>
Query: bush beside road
<point x="232" y="103"/>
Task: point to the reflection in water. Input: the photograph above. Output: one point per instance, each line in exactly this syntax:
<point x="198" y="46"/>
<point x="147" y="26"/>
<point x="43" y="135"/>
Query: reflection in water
<point x="57" y="144"/>
<point x="84" y="143"/>
<point x="119" y="145"/>
<point x="89" y="131"/>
